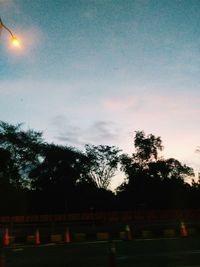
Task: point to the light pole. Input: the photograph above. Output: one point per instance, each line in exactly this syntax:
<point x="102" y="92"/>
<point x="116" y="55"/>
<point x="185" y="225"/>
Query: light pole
<point x="15" y="42"/>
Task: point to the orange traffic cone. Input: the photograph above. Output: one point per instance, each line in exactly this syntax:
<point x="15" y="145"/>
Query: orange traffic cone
<point x="183" y="230"/>
<point x="128" y="232"/>
<point x="37" y="237"/>
<point x="67" y="236"/>
<point x="6" y="238"/>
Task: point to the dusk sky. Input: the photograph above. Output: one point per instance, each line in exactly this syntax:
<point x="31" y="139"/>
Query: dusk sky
<point x="95" y="71"/>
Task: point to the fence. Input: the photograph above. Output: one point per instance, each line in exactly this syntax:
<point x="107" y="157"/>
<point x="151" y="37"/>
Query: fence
<point x="128" y="216"/>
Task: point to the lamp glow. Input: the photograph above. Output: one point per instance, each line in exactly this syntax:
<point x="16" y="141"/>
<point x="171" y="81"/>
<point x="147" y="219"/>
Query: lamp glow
<point x="14" y="40"/>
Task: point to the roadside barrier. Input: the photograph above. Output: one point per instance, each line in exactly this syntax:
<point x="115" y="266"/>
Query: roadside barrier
<point x="56" y="238"/>
<point x="62" y="233"/>
<point x="102" y="236"/>
<point x="169" y="233"/>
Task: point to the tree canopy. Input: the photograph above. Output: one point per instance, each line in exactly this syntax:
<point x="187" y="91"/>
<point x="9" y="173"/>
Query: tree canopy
<point x="103" y="161"/>
<point x="39" y="177"/>
<point x="150" y="180"/>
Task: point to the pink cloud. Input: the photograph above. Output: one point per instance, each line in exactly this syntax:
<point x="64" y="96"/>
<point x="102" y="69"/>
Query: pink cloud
<point x="122" y="104"/>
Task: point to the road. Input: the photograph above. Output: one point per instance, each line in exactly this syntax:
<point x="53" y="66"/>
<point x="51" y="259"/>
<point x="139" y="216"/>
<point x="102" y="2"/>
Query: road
<point x="137" y="253"/>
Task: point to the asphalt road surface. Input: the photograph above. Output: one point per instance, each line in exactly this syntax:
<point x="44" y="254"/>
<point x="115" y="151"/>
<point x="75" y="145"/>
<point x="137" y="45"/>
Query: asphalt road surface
<point x="180" y="252"/>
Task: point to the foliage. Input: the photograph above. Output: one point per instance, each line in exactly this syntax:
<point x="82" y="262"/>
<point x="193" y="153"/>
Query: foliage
<point x="152" y="181"/>
<point x="147" y="147"/>
<point x="61" y="167"/>
<point x="38" y="177"/>
<point x="103" y="162"/>
<point x="24" y="148"/>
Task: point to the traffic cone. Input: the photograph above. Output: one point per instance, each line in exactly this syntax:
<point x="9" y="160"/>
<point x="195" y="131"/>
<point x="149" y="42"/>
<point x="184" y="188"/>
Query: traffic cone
<point x="37" y="237"/>
<point x="6" y="238"/>
<point x="128" y="232"/>
<point x="112" y="259"/>
<point x="183" y="230"/>
<point x="67" y="236"/>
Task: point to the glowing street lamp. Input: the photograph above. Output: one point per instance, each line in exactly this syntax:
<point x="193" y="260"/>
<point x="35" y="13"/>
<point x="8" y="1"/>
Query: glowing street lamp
<point x="14" y="40"/>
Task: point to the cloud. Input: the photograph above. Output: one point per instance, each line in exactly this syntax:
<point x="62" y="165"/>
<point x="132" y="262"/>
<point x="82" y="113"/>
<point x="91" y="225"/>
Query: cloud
<point x="173" y="115"/>
<point x="103" y="131"/>
<point x="121" y="104"/>
<point x="157" y="103"/>
<point x="169" y="115"/>
<point x="99" y="132"/>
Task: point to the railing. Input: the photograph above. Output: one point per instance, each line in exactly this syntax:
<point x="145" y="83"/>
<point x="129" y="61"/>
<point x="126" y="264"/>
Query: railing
<point x="147" y="216"/>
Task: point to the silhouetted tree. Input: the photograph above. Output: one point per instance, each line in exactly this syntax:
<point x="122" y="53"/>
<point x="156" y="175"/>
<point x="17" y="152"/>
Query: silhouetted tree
<point x="24" y="148"/>
<point x="7" y="166"/>
<point x="103" y="162"/>
<point x="60" y="166"/>
<point x="57" y="176"/>
<point x="38" y="177"/>
<point x="152" y="182"/>
<point x="147" y="147"/>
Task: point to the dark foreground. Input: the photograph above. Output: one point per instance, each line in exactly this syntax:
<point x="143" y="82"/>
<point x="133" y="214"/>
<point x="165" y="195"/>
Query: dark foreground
<point x="159" y="252"/>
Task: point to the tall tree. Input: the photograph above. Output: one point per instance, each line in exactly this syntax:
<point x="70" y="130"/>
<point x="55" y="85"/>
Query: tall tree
<point x="59" y="168"/>
<point x="7" y="168"/>
<point x="57" y="180"/>
<point x="24" y="148"/>
<point x="147" y="147"/>
<point x="103" y="162"/>
<point x="153" y="181"/>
